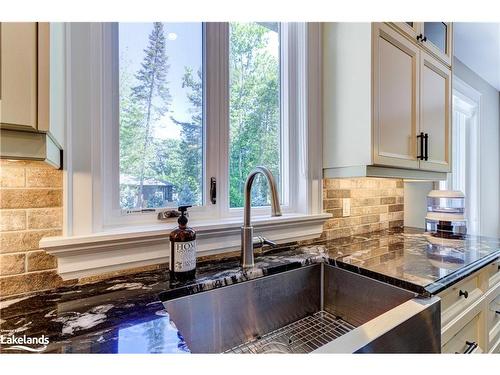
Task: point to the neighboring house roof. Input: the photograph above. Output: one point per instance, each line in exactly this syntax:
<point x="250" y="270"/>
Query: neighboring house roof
<point x="126" y="179"/>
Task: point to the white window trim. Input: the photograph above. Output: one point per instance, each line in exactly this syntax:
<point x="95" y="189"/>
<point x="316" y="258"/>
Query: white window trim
<point x="469" y="103"/>
<point x="89" y="245"/>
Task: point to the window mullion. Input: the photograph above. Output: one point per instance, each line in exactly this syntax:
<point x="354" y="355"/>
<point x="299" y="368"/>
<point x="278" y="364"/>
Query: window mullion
<point x="217" y="113"/>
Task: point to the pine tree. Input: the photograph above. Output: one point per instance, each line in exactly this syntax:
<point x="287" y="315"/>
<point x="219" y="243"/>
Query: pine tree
<point x="191" y="140"/>
<point x="151" y="93"/>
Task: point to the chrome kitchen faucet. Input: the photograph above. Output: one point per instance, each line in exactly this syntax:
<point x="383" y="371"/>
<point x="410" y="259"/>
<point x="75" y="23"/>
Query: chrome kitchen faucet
<point x="248" y="241"/>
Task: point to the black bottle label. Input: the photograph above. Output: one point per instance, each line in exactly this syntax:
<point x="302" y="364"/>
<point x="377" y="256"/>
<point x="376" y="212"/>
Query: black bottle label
<point x="184" y="256"/>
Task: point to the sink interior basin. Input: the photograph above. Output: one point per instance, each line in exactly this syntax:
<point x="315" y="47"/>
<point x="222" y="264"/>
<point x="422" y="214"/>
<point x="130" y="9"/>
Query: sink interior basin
<point x="315" y="308"/>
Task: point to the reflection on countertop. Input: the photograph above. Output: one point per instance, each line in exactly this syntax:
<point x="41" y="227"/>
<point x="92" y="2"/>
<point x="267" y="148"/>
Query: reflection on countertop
<point x="125" y="314"/>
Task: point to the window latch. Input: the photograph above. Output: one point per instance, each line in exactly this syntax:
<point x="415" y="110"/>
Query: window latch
<point x="213" y="190"/>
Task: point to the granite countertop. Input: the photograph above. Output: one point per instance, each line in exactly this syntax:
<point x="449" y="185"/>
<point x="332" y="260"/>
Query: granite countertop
<point x="125" y="314"/>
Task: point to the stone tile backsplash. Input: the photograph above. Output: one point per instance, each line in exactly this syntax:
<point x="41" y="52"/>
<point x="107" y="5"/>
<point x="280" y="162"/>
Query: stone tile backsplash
<point x="376" y="204"/>
<point x="30" y="208"/>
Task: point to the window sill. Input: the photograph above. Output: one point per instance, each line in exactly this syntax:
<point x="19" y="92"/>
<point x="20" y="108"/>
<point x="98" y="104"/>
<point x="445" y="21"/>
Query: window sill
<point x="130" y="247"/>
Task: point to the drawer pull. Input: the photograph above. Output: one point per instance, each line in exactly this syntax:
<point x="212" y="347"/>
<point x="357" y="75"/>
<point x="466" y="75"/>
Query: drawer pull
<point x="497" y="312"/>
<point x="471" y="346"/>
<point x="463" y="293"/>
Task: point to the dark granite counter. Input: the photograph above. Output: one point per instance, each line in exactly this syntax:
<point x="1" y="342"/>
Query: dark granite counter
<point x="125" y="314"/>
<point x="412" y="259"/>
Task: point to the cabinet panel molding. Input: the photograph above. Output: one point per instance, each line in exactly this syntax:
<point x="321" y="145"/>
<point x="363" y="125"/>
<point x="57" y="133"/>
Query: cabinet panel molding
<point x="395" y="84"/>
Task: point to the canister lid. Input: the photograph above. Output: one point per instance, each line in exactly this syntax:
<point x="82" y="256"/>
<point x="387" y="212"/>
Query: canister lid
<point x="446" y="194"/>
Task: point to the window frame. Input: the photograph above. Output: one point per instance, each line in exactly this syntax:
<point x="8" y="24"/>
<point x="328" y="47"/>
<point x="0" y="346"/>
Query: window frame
<point x="216" y="127"/>
<point x="467" y="103"/>
<point x="88" y="247"/>
<point x="90" y="156"/>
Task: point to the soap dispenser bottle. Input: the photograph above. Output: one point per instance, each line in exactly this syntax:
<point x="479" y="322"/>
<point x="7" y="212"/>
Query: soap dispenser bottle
<point x="182" y="265"/>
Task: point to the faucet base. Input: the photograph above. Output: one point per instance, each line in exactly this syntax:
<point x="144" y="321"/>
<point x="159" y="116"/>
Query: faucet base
<point x="247" y="259"/>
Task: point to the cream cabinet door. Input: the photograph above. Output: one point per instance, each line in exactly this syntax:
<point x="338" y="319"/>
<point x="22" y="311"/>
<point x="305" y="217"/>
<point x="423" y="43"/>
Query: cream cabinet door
<point x="437" y="38"/>
<point x="395" y="99"/>
<point x="412" y="29"/>
<point x="19" y="75"/>
<point x="435" y="113"/>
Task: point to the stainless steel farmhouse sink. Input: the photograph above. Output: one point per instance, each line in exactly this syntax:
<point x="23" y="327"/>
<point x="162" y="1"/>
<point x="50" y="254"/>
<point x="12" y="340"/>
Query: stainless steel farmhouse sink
<point x="318" y="308"/>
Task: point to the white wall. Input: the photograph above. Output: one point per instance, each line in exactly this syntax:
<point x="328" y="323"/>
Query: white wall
<point x="489" y="149"/>
<point x="415" y="194"/>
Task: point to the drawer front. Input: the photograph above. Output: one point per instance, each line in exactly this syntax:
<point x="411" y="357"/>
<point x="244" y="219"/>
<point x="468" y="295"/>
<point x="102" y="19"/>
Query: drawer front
<point x="467" y="340"/>
<point x="493" y="320"/>
<point x="457" y="298"/>
<point x="493" y="272"/>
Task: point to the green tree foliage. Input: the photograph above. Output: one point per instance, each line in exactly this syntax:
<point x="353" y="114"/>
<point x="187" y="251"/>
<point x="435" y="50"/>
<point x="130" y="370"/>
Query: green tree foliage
<point x="254" y="120"/>
<point x="151" y="94"/>
<point x="192" y="140"/>
<point x="254" y="110"/>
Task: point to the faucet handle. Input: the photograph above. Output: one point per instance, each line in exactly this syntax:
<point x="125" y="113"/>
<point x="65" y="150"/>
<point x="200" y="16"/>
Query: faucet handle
<point x="260" y="241"/>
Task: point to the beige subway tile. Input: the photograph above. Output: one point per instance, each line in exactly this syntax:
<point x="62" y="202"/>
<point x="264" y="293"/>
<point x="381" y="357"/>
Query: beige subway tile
<point x="40" y="260"/>
<point x="12" y="220"/>
<point x="400" y="199"/>
<point x="336" y="212"/>
<point x="346" y="183"/>
<point x="399" y="215"/>
<point x="12" y="177"/>
<point x="338" y="233"/>
<point x="332" y="203"/>
<point x="370" y="219"/>
<point x="396" y="207"/>
<point x="366" y="183"/>
<point x="364" y="193"/>
<point x="339" y="193"/>
<point x="18" y="241"/>
<point x="43" y="177"/>
<point x="358" y="202"/>
<point x="396" y="223"/>
<point x="331" y="183"/>
<point x="45" y="218"/>
<point x="331" y="224"/>
<point x="29" y="282"/>
<point x="14" y="163"/>
<point x="30" y="198"/>
<point x="12" y="264"/>
<point x="388" y="200"/>
<point x="388" y="192"/>
<point x="361" y="229"/>
<point x="400" y="184"/>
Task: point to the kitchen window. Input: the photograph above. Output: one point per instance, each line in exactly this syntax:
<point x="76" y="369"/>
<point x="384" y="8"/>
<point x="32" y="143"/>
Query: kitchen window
<point x="196" y="104"/>
<point x="161" y="124"/>
<point x="156" y="112"/>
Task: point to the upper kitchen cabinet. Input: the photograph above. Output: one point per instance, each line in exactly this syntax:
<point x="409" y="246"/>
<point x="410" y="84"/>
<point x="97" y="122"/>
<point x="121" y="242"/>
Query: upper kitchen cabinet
<point x="386" y="104"/>
<point x="434" y="37"/>
<point x="31" y="101"/>
<point x="435" y="113"/>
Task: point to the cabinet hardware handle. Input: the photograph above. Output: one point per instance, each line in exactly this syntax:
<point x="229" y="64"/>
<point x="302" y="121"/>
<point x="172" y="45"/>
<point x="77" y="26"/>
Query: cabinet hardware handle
<point x="426" y="138"/>
<point x="213" y="190"/>
<point x="419" y="36"/>
<point x="497" y="312"/>
<point x="424" y="39"/>
<point x="421" y="137"/>
<point x="463" y="293"/>
<point x="471" y="346"/>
